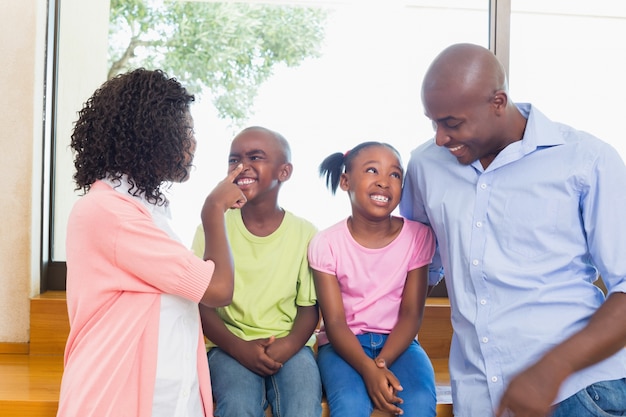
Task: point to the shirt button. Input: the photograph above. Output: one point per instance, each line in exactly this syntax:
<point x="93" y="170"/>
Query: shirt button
<point x="483" y="186"/>
<point x="483" y="302"/>
<point x="485" y="339"/>
<point x="479" y="224"/>
<point x="494" y="379"/>
<point x="475" y="262"/>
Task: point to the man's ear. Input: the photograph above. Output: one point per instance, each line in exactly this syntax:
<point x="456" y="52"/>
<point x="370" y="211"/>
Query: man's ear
<point x="285" y="172"/>
<point x="344" y="182"/>
<point x="499" y="100"/>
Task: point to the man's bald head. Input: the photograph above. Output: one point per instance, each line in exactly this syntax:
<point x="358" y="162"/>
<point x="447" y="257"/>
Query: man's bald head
<point x="465" y="95"/>
<point x="465" y="68"/>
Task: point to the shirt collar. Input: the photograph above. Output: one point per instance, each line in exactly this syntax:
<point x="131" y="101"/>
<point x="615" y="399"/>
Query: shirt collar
<point x="540" y="131"/>
<point x="122" y="185"/>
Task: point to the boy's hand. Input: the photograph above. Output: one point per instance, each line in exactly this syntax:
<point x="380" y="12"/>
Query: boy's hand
<point x="252" y="355"/>
<point x="226" y="194"/>
<point x="280" y="350"/>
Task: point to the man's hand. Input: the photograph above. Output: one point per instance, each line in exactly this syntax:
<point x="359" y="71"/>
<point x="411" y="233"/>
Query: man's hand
<point x="531" y="393"/>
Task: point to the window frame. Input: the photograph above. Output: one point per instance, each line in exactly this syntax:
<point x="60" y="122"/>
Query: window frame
<point x="53" y="273"/>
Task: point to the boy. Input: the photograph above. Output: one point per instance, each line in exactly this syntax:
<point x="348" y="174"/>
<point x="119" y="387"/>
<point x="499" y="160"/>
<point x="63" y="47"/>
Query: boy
<point x="260" y="345"/>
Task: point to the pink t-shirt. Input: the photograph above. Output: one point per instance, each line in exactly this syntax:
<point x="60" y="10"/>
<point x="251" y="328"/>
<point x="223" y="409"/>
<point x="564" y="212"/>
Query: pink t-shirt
<point x="371" y="280"/>
<point x="119" y="262"/>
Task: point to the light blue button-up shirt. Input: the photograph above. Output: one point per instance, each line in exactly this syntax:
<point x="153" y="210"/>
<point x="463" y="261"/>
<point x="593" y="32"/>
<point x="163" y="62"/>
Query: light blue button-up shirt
<point x="521" y="244"/>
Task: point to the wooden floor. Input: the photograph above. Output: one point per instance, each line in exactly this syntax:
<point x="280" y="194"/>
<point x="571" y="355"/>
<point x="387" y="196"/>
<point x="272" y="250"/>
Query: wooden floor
<point x="29" y="385"/>
<point x="30" y="381"/>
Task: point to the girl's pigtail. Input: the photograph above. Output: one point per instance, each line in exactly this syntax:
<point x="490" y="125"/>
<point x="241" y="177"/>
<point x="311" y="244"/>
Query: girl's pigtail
<point x="331" y="168"/>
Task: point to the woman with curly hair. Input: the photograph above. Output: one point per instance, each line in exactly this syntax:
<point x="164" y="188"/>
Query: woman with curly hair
<point x="135" y="346"/>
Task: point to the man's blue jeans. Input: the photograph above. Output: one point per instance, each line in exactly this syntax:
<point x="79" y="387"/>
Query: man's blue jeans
<point x="346" y="392"/>
<point x="293" y="391"/>
<point x="602" y="399"/>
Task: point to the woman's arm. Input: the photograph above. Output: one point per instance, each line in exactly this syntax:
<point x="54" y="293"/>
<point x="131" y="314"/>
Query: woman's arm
<point x="216" y="247"/>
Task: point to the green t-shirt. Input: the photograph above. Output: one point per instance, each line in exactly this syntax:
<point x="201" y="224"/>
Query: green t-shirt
<point x="272" y="277"/>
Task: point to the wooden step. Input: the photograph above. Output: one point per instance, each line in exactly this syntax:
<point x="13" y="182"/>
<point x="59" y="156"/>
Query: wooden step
<point x="49" y="323"/>
<point x="29" y="383"/>
<point x="435" y="335"/>
<point x="29" y="386"/>
<point x="50" y="326"/>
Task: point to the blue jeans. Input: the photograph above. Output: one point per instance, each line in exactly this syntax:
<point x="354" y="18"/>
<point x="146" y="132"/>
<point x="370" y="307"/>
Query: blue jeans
<point x="346" y="392"/>
<point x="295" y="390"/>
<point x="602" y="399"/>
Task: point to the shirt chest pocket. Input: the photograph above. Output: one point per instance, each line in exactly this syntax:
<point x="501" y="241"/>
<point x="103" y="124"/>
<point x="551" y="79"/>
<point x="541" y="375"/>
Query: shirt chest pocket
<point x="529" y="226"/>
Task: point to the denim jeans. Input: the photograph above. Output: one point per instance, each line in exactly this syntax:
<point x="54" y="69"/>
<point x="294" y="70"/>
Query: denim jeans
<point x="602" y="399"/>
<point x="294" y="391"/>
<point x="346" y="392"/>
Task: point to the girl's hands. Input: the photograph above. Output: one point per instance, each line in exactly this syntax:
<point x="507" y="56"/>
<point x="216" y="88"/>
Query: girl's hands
<point x="382" y="387"/>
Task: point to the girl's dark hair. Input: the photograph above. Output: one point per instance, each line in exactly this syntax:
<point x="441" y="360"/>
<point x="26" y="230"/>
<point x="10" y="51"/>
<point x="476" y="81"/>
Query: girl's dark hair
<point x="337" y="163"/>
<point x="135" y="124"/>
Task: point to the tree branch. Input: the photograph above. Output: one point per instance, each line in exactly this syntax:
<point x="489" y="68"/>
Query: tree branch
<point x="128" y="54"/>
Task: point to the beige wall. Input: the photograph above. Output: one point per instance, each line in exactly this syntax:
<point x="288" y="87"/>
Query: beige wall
<point x="22" y="73"/>
<point x="22" y="41"/>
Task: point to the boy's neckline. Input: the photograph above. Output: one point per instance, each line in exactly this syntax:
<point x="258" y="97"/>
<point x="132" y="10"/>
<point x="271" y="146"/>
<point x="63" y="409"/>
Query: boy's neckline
<point x="263" y="227"/>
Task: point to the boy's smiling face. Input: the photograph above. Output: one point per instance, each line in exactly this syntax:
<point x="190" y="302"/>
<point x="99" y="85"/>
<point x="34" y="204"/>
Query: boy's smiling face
<point x="265" y="164"/>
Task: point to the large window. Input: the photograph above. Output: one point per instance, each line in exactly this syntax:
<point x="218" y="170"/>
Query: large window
<point x="364" y="85"/>
<point x="565" y="56"/>
<point x="569" y="59"/>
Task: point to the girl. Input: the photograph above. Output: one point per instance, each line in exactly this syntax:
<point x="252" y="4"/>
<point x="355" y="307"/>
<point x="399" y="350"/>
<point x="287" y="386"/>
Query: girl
<point x="370" y="274"/>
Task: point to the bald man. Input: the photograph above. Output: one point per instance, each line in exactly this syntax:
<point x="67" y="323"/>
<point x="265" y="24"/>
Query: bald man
<point x="527" y="213"/>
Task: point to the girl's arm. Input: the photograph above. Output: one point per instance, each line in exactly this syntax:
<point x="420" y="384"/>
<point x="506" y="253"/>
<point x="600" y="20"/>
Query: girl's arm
<point x="409" y="317"/>
<point x="381" y="383"/>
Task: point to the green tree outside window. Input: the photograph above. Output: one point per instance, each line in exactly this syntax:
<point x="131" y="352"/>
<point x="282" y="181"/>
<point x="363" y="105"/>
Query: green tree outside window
<point x="226" y="50"/>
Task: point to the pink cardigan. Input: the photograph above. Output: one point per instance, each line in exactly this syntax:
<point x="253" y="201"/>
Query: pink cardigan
<point x="118" y="264"/>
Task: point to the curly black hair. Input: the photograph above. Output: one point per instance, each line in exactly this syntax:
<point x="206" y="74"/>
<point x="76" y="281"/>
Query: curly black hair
<point x="136" y="124"/>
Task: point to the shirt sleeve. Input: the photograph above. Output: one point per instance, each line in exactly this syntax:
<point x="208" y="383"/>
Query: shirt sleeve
<point x="423" y="247"/>
<point x="603" y="208"/>
<point x="412" y="208"/>
<point x="321" y="257"/>
<point x="307" y="295"/>
<point x="143" y="250"/>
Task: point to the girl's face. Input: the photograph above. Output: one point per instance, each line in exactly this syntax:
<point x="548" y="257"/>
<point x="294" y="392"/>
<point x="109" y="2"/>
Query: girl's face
<point x="374" y="182"/>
